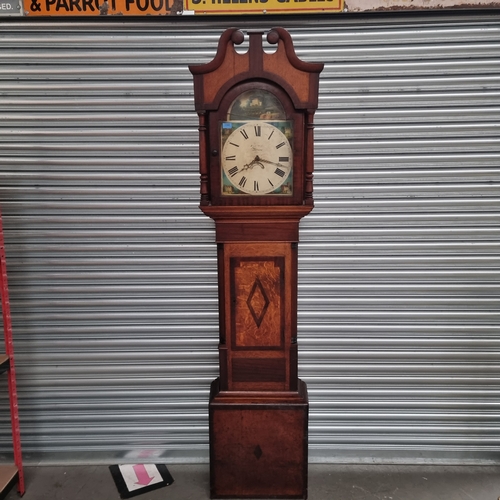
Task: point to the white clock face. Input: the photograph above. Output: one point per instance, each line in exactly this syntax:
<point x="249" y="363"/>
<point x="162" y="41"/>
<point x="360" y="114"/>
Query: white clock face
<point x="256" y="159"/>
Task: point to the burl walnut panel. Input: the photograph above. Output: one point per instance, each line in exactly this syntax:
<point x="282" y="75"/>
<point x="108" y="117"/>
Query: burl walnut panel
<point x="258" y="312"/>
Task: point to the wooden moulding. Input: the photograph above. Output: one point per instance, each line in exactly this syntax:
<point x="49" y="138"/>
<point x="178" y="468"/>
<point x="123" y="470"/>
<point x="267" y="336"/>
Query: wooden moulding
<point x="300" y="79"/>
<point x="257" y="223"/>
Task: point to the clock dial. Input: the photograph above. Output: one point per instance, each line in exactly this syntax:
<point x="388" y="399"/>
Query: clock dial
<point x="257" y="158"/>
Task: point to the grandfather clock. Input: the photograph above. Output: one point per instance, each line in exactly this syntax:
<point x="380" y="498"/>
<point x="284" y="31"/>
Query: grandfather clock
<point x="256" y="162"/>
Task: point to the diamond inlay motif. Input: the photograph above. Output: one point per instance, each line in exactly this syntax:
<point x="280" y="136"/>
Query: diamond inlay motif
<point x="258" y="302"/>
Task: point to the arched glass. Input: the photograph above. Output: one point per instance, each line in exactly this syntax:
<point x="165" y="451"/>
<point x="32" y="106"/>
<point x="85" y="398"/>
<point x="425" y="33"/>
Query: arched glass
<point x="256" y="104"/>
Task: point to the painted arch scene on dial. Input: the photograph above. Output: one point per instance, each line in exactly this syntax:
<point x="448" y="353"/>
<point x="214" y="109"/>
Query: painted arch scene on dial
<point x="256" y="145"/>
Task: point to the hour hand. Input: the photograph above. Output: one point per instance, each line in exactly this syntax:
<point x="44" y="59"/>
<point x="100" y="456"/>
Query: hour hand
<point x="255" y="161"/>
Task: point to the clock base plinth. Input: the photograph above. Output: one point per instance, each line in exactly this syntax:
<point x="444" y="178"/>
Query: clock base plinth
<point x="258" y="444"/>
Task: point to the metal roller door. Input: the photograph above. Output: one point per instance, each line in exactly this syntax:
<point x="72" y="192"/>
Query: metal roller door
<point x="112" y="266"/>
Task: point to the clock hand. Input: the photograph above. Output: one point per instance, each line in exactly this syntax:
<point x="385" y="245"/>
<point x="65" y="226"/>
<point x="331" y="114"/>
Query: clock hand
<point x="261" y="161"/>
<point x="256" y="160"/>
<point x="248" y="166"/>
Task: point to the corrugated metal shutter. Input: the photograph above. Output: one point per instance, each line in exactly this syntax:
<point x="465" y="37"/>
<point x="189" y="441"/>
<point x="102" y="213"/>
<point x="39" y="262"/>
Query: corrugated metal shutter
<point x="399" y="268"/>
<point x="112" y="266"/>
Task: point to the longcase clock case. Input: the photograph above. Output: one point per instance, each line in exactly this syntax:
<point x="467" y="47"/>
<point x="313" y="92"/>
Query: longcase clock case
<point x="256" y="165"/>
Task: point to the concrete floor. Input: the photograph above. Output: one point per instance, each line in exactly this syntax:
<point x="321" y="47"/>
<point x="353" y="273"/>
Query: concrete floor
<point x="326" y="482"/>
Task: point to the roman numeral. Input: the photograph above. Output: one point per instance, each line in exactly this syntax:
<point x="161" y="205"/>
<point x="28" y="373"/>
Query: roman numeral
<point x="257" y="130"/>
<point x="279" y="172"/>
<point x="283" y="158"/>
<point x="231" y="158"/>
<point x="242" y="182"/>
<point x="244" y="133"/>
<point x="280" y="145"/>
<point x="270" y="182"/>
<point x="270" y="135"/>
<point x="255" y="186"/>
<point x="233" y="171"/>
<point x="237" y="145"/>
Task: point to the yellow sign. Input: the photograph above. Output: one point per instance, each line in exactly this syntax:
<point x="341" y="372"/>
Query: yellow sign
<point x="99" y="7"/>
<point x="168" y="7"/>
<point x="262" y="6"/>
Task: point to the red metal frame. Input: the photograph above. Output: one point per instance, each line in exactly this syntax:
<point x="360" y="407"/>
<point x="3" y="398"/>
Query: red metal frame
<point x="9" y="351"/>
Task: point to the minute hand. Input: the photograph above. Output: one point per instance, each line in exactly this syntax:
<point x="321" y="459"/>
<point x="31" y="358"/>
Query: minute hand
<point x="261" y="160"/>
